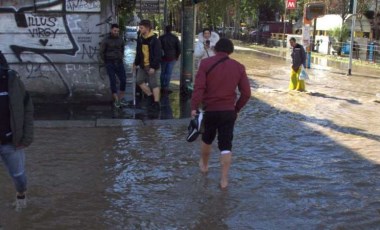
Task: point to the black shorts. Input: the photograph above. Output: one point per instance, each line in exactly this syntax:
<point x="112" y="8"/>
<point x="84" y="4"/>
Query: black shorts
<point x="221" y="122"/>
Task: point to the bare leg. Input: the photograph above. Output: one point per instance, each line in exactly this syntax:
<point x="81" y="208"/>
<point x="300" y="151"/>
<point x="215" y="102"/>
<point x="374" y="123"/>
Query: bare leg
<point x="145" y="89"/>
<point x="115" y="97"/>
<point x="156" y="94"/>
<point x="121" y="94"/>
<point x="225" y="162"/>
<point x="205" y="155"/>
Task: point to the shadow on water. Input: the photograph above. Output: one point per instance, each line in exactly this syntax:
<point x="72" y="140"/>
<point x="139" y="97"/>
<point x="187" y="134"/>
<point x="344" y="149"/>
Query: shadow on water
<point x="352" y="101"/>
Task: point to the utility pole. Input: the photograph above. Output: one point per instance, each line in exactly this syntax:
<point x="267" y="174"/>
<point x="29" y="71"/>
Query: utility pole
<point x="187" y="60"/>
<point x="283" y="32"/>
<point x="165" y="13"/>
<point x="352" y="36"/>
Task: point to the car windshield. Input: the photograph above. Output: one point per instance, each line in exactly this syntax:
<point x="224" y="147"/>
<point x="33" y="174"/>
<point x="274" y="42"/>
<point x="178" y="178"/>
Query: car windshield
<point x="131" y="30"/>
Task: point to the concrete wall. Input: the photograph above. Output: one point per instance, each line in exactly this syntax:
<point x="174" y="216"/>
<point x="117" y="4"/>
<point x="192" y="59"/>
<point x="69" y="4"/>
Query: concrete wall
<point x="54" y="44"/>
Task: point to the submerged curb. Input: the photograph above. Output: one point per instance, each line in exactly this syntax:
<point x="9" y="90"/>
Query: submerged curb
<point x="103" y="123"/>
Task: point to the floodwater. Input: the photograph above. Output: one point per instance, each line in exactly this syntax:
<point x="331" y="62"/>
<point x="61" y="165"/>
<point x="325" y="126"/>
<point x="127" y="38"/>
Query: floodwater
<point x="301" y="161"/>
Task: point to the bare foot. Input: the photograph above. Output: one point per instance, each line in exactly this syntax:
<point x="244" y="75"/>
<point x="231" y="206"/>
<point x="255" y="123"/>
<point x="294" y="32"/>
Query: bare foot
<point x="203" y="167"/>
<point x="223" y="184"/>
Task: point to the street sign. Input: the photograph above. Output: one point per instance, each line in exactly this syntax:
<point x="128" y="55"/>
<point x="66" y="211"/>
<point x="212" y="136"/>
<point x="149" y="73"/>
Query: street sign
<point x="149" y="6"/>
<point x="291" y="4"/>
<point x="306" y="35"/>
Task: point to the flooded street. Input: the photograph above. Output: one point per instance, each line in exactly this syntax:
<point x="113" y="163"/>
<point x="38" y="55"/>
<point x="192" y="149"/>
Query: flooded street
<point x="301" y="161"/>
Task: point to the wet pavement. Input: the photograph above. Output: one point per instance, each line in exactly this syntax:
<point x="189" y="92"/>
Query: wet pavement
<point x="301" y="161"/>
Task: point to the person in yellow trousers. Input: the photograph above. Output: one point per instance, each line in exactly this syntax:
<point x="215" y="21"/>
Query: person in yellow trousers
<point x="298" y="58"/>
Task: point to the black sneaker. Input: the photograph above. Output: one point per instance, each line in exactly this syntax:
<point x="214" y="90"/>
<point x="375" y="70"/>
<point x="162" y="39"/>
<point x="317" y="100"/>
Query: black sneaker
<point x="156" y="106"/>
<point x="195" y="127"/>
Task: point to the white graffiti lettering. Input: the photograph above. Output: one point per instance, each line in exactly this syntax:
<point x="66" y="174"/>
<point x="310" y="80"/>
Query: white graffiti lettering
<point x="45" y="33"/>
<point x="42" y="21"/>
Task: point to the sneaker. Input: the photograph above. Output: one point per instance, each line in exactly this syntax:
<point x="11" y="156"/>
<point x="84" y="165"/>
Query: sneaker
<point x="194" y="128"/>
<point x="20" y="203"/>
<point x="156" y="106"/>
<point x="116" y="104"/>
<point x="123" y="102"/>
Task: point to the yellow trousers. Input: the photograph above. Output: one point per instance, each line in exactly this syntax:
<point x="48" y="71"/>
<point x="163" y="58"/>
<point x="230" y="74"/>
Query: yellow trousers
<point x="295" y="82"/>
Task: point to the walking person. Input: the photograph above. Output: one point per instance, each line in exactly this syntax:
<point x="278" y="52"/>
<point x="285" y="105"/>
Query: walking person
<point x="148" y="58"/>
<point x="112" y="55"/>
<point x="171" y="49"/>
<point x="205" y="45"/>
<point x="16" y="128"/>
<point x="298" y="59"/>
<point x="215" y="87"/>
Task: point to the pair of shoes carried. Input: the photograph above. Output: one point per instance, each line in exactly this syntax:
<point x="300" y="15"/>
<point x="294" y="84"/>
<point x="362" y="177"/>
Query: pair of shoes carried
<point x="20" y="203"/>
<point x="195" y="126"/>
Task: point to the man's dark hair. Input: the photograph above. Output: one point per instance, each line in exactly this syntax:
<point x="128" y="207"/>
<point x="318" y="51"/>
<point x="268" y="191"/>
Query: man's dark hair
<point x="168" y="29"/>
<point x="224" y="45"/>
<point x="146" y="23"/>
<point x="115" y="25"/>
<point x="293" y="39"/>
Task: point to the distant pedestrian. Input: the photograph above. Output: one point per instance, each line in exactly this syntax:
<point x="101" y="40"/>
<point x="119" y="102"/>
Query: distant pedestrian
<point x="206" y="43"/>
<point x="148" y="59"/>
<point x="16" y="128"/>
<point x="215" y="87"/>
<point x="171" y="49"/>
<point x="112" y="55"/>
<point x="298" y="59"/>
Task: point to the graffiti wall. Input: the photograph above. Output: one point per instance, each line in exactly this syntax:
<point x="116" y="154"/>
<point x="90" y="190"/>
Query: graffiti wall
<point x="54" y="44"/>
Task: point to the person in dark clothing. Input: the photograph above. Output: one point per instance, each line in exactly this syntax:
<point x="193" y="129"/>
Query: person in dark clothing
<point x="148" y="58"/>
<point x="16" y="128"/>
<point x="215" y="86"/>
<point x="112" y="55"/>
<point x="298" y="59"/>
<point x="171" y="49"/>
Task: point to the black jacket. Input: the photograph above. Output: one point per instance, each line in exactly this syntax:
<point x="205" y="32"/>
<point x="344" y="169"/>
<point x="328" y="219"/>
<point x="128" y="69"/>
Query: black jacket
<point x="20" y="106"/>
<point x="112" y="49"/>
<point x="170" y="46"/>
<point x="155" y="52"/>
<point x="298" y="56"/>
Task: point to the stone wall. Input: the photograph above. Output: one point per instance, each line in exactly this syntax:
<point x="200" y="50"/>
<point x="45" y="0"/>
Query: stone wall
<point x="54" y="44"/>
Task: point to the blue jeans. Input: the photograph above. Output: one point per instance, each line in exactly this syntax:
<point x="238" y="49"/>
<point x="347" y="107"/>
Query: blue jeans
<point x="166" y="73"/>
<point x="14" y="160"/>
<point x="116" y="69"/>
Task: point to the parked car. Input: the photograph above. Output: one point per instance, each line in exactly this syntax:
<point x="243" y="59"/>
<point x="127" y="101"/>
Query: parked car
<point x="130" y="33"/>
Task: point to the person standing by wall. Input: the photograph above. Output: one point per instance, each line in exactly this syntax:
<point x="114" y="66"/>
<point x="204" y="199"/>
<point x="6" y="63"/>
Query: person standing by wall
<point x="171" y="49"/>
<point x="16" y="128"/>
<point x="215" y="86"/>
<point x="148" y="58"/>
<point x="112" y="55"/>
<point x="206" y="43"/>
<point x="298" y="58"/>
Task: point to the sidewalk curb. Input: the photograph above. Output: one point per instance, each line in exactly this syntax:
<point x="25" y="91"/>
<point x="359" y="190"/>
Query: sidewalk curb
<point x="106" y="123"/>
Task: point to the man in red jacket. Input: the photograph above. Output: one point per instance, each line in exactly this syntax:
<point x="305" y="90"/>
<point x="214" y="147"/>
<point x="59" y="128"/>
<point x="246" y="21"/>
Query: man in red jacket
<point x="215" y="86"/>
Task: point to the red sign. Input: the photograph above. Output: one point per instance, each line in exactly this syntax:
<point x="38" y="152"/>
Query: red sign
<point x="291" y="4"/>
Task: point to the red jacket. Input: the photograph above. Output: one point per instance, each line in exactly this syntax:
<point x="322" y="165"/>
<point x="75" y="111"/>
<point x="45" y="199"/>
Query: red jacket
<point x="217" y="91"/>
